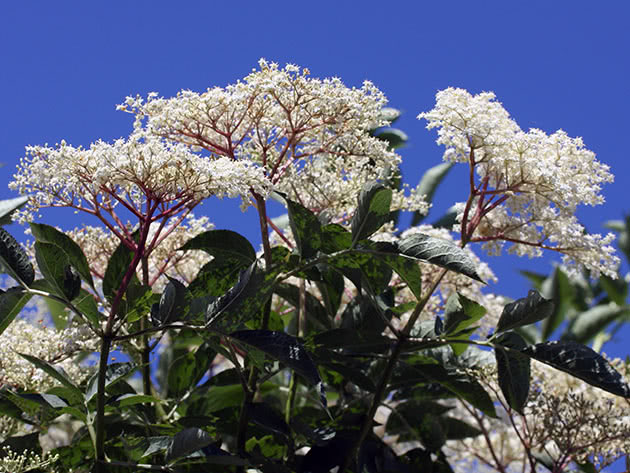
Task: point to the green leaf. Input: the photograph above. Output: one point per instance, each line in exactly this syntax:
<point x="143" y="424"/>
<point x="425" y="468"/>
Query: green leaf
<point x="12" y="301"/>
<point x="461" y="312"/>
<point x="335" y="238"/>
<point x="393" y="136"/>
<point x="65" y="244"/>
<point x="126" y="400"/>
<point x="187" y="370"/>
<point x="331" y="288"/>
<point x="268" y="418"/>
<point x="53" y="372"/>
<point x="52" y="264"/>
<point x="562" y="293"/>
<point x="586" y="325"/>
<point x="223" y="244"/>
<point x="216" y="277"/>
<point x="286" y="349"/>
<point x="407" y="268"/>
<point x="428" y="185"/>
<point x="372" y="211"/>
<point x="525" y="311"/>
<point x="306" y="229"/>
<point x="114" y="373"/>
<point x="440" y="252"/>
<point x="315" y="311"/>
<point x="458" y="430"/>
<point x="117" y="266"/>
<point x="86" y="303"/>
<point x="513" y="370"/>
<point x="174" y="302"/>
<point x="14" y="260"/>
<point x="8" y="206"/>
<point x="244" y="300"/>
<point x="186" y="442"/>
<point x="616" y="289"/>
<point x="582" y="362"/>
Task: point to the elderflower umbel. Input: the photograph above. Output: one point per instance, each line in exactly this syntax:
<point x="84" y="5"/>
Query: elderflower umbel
<point x="565" y="418"/>
<point x="57" y="347"/>
<point x="143" y="168"/>
<point x="14" y="462"/>
<point x="310" y="136"/>
<point x="530" y="184"/>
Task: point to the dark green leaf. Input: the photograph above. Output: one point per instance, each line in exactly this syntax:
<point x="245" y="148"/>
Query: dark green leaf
<point x="582" y="362"/>
<point x="440" y="252"/>
<point x="407" y="268"/>
<point x="117" y="266"/>
<point x="52" y="264"/>
<point x="352" y="340"/>
<point x="372" y="210"/>
<point x="12" y="301"/>
<point x="525" y="311"/>
<point x="286" y="349"/>
<point x="86" y="303"/>
<point x="8" y="206"/>
<point x="331" y="288"/>
<point x="14" y="260"/>
<point x="223" y="244"/>
<point x="461" y="312"/>
<point x="71" y="282"/>
<point x="335" y="238"/>
<point x="315" y="311"/>
<point x="513" y="370"/>
<point x="306" y="229"/>
<point x="216" y="277"/>
<point x="65" y="244"/>
<point x="428" y="185"/>
<point x="114" y="373"/>
<point x="267" y="417"/>
<point x="21" y="444"/>
<point x="173" y="303"/>
<point x="244" y="300"/>
<point x="456" y="429"/>
<point x="186" y="442"/>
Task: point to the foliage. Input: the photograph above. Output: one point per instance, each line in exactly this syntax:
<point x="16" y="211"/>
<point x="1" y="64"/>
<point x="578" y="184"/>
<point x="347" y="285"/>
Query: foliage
<point x="346" y="343"/>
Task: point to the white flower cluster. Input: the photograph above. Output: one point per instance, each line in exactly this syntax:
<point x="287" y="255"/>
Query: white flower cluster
<point x="530" y="183"/>
<point x="13" y="462"/>
<point x="98" y="244"/>
<point x="311" y="136"/>
<point x="132" y="171"/>
<point x="55" y="346"/>
<point x="565" y="418"/>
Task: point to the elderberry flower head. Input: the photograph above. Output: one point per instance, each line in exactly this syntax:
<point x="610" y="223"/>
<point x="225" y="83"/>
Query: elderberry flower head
<point x="143" y="168"/>
<point x="310" y="136"/>
<point x="529" y="183"/>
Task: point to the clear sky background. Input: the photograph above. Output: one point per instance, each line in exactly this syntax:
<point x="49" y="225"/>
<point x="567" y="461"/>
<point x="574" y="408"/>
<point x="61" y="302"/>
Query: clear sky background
<point x="553" y="64"/>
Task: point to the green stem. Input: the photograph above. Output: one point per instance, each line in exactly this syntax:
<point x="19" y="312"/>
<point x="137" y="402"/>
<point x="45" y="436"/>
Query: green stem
<point x="387" y="372"/>
<point x="248" y="396"/>
<point x="107" y="337"/>
<point x="100" y="406"/>
<point x="301" y="315"/>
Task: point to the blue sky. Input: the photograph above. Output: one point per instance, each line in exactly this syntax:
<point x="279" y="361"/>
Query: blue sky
<point x="65" y="65"/>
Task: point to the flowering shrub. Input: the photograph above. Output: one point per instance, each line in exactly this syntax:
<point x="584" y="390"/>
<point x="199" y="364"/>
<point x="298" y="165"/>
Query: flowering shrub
<point x="347" y="343"/>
